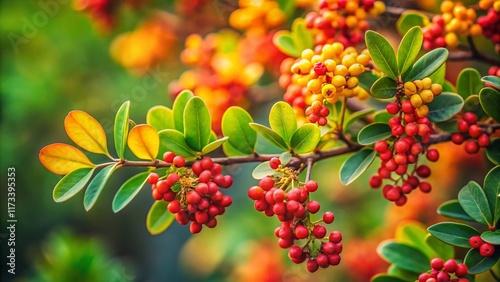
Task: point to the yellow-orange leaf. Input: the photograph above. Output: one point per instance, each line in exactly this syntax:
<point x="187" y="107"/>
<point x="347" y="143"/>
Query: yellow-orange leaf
<point x="63" y="158"/>
<point x="144" y="142"/>
<point x="86" y="132"/>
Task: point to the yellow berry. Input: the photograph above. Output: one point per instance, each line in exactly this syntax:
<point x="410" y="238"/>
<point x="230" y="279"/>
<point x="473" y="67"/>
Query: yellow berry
<point x="302" y="81"/>
<point x="348" y="92"/>
<point x="305" y="66"/>
<point x="453" y="26"/>
<point x="352" y="82"/>
<point x="427" y="96"/>
<point x="436" y="89"/>
<point x="426" y="83"/>
<point x="330" y="65"/>
<point x="337" y="48"/>
<point x="328" y="51"/>
<point x="496" y="6"/>
<point x="361" y="13"/>
<point x="418" y="83"/>
<point x="316" y="97"/>
<point x="476" y="30"/>
<point x="422" y="111"/>
<point x="295" y="68"/>
<point x="351" y="51"/>
<point x="351" y="21"/>
<point x="339" y="89"/>
<point x="356" y="69"/>
<point x="410" y="86"/>
<point x="351" y="6"/>
<point x="460" y="12"/>
<point x="333" y="99"/>
<point x="338" y="81"/>
<point x="447" y="6"/>
<point x="316" y="59"/>
<point x="314" y="85"/>
<point x="340" y="70"/>
<point x="348" y="60"/>
<point x="416" y="101"/>
<point x="328" y="90"/>
<point x="471" y="14"/>
<point x="485" y="4"/>
<point x="362" y="93"/>
<point x="307" y="54"/>
<point x="378" y="8"/>
<point x="363" y="59"/>
<point x="451" y="40"/>
<point x="447" y="17"/>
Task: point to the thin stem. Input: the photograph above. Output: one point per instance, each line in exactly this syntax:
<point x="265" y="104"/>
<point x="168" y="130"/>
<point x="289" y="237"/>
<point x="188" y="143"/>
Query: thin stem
<point x="342" y="115"/>
<point x="309" y="168"/>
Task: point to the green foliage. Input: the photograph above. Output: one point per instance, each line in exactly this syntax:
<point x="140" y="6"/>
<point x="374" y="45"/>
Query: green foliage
<point x="455" y="234"/>
<point x="444" y="107"/>
<point x="373" y="133"/>
<point x="129" y="190"/>
<point x="492" y="237"/>
<point x="493" y="80"/>
<point x="409" y="47"/>
<point x="305" y="138"/>
<point x="178" y="109"/>
<point x="490" y="101"/>
<point x="197" y="124"/>
<point x="384" y="88"/>
<point x="474" y="202"/>
<point x="97" y="185"/>
<point x="121" y="128"/>
<point x="493" y="151"/>
<point x="469" y="82"/>
<point x="174" y="141"/>
<point x="477" y="263"/>
<point x="382" y="53"/>
<point x="292" y="43"/>
<point x="160" y="117"/>
<point x="355" y="165"/>
<point x="492" y="192"/>
<point x="427" y="64"/>
<point x="282" y="120"/>
<point x="453" y="209"/>
<point x="404" y="256"/>
<point x="159" y="218"/>
<point x="410" y="19"/>
<point x="72" y="183"/>
<point x="235" y="125"/>
<point x="270" y="135"/>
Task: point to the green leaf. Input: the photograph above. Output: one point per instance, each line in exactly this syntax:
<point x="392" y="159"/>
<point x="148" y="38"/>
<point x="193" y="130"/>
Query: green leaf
<point x="382" y="116"/>
<point x="493" y="80"/>
<point x="355" y="165"/>
<point x="410" y="19"/>
<point x="97" y="185"/>
<point x="468" y="82"/>
<point x="302" y="37"/>
<point x="455" y="234"/>
<point x="472" y="104"/>
<point x="414" y="234"/>
<point x="476" y="263"/>
<point x="382" y="53"/>
<point x="282" y="120"/>
<point x="449" y="87"/>
<point x="444" y="107"/>
<point x="129" y="190"/>
<point x="178" y="108"/>
<point x="262" y="170"/>
<point x="305" y="138"/>
<point x="403" y="256"/>
<point x="492" y="237"/>
<point x="490" y="101"/>
<point x="453" y="209"/>
<point x="492" y="191"/>
<point x="439" y="75"/>
<point x="160" y="117"/>
<point x="442" y="249"/>
<point x="367" y="79"/>
<point x="373" y="133"/>
<point x="384" y="88"/>
<point x="285" y="158"/>
<point x="404" y="274"/>
<point x="473" y="200"/>
<point x="352" y="118"/>
<point x="235" y="125"/>
<point x="427" y="64"/>
<point x="174" y="141"/>
<point x="230" y="151"/>
<point x="71" y="184"/>
<point x="213" y="145"/>
<point x="493" y="151"/>
<point x="286" y="6"/>
<point x="409" y="47"/>
<point x="121" y="128"/>
<point x="386" y="278"/>
<point x="270" y="135"/>
<point x="159" y="218"/>
<point x="197" y="124"/>
<point x="285" y="43"/>
<point x="448" y="125"/>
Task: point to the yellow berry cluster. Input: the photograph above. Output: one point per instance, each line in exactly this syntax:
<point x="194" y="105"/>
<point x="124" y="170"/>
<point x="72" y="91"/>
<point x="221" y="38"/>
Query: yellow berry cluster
<point x="486" y="4"/>
<point x="459" y="19"/>
<point x="332" y="73"/>
<point x="420" y="93"/>
<point x="257" y="15"/>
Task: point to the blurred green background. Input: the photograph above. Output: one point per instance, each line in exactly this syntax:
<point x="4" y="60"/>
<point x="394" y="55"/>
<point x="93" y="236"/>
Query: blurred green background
<point x="54" y="64"/>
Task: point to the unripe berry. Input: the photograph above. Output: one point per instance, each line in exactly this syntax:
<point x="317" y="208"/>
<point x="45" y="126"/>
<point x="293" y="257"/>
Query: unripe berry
<point x="436" y="89"/>
<point x="410" y="88"/>
<point x="422" y="111"/>
<point x="427" y="96"/>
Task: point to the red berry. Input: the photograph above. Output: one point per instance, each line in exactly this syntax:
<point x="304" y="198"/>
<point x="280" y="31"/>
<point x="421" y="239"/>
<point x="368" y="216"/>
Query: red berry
<point x="443" y="277"/>
<point x="195" y="227"/>
<point x="313" y="207"/>
<point x="392" y="108"/>
<point x="461" y="270"/>
<point x="450" y="266"/>
<point x="475" y="242"/>
<point x="381" y="146"/>
<point x="437" y="263"/>
<point x="335" y="237"/>
<point x="162" y="187"/>
<point x="197" y="169"/>
<point x="157" y="195"/>
<point x="153" y="178"/>
<point x="266" y="183"/>
<point x="174" y="207"/>
<point x="256" y="193"/>
<point x="471" y="147"/>
<point x="487" y="249"/>
<point x="171" y="179"/>
<point x="279" y="195"/>
<point x="475" y="131"/>
<point x="311" y="186"/>
<point x="322" y="260"/>
<point x="206" y="175"/>
<point x="411" y="129"/>
<point x="319" y="231"/>
<point x="333" y="259"/>
<point x="432" y="155"/>
<point x="483" y="141"/>
<point x="424" y="277"/>
<point x="320" y="68"/>
<point x="312" y="265"/>
<point x="328" y="217"/>
<point x="423" y="171"/>
<point x="274" y="163"/>
<point x="295" y="252"/>
<point x="407" y="107"/>
<point x="457" y="138"/>
<point x="179" y="161"/>
<point x="192" y="197"/>
<point x="425" y="187"/>
<point x="375" y="181"/>
<point x="301" y="232"/>
<point x="202" y="189"/>
<point x="463" y="126"/>
<point x="206" y="163"/>
<point x="168" y="157"/>
<point x="470" y="117"/>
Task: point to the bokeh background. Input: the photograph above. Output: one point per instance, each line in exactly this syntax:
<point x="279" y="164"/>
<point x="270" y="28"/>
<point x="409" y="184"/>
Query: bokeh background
<point x="55" y="59"/>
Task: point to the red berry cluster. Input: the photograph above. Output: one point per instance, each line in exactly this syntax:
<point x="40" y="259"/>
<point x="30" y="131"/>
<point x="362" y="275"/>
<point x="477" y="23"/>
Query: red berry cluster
<point x="342" y="21"/>
<point x="494" y="71"/>
<point x="468" y="128"/>
<point x="193" y="194"/>
<point x="490" y="24"/>
<point x="317" y="113"/>
<point x="485" y="249"/>
<point x="445" y="271"/>
<point x="291" y="205"/>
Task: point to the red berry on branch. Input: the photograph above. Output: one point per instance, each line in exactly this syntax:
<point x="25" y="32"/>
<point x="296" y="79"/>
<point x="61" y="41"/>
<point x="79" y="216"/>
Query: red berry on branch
<point x="486" y="249"/>
<point x="475" y="242"/>
<point x="179" y="161"/>
<point x="328" y="217"/>
<point x="437" y="263"/>
<point x="450" y="266"/>
<point x="153" y="178"/>
<point x="274" y="163"/>
<point x="168" y="157"/>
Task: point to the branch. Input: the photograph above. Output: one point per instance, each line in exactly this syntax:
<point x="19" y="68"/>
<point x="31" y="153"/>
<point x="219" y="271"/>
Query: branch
<point x="297" y="159"/>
